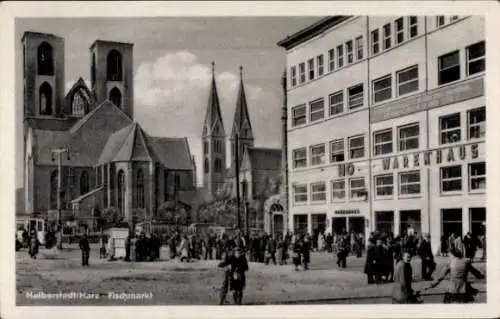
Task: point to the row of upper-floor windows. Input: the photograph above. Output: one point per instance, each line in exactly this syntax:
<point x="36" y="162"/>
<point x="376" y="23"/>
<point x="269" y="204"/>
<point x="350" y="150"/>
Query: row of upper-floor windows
<point x="389" y="86"/>
<point x="384" y="38"/>
<point x="387" y="185"/>
<point x="387" y="141"/>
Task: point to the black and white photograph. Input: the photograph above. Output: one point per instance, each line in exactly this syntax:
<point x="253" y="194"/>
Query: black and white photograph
<point x="251" y="160"/>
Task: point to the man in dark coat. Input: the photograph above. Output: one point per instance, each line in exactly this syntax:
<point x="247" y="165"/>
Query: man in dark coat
<point x="470" y="244"/>
<point x="172" y="246"/>
<point x="34" y="244"/>
<point x="85" y="248"/>
<point x="235" y="265"/>
<point x="343" y="251"/>
<point x="402" y="292"/>
<point x="370" y="261"/>
<point x="271" y="251"/>
<point x="306" y="251"/>
<point x="425" y="252"/>
<point x="379" y="258"/>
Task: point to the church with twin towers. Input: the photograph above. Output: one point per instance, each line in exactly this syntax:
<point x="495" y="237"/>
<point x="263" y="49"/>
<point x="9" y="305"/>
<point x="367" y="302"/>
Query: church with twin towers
<point x="260" y="168"/>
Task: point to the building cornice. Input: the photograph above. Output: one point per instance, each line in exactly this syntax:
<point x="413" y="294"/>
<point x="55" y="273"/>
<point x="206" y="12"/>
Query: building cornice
<point x="311" y="31"/>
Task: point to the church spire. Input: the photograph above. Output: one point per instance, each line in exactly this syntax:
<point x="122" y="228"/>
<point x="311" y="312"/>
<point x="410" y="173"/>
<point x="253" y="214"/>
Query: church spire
<point x="241" y="124"/>
<point x="213" y="115"/>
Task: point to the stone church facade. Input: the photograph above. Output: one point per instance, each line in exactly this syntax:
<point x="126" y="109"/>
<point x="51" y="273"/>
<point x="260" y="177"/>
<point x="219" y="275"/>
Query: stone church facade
<point x="260" y="169"/>
<point x="108" y="159"/>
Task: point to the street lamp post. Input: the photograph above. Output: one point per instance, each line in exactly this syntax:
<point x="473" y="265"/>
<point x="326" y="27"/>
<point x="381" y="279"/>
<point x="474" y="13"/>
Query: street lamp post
<point x="237" y="173"/>
<point x="59" y="153"/>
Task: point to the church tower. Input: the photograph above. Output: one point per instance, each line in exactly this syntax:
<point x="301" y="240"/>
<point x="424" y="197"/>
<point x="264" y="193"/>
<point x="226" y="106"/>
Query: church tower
<point x="43" y="75"/>
<point x="242" y="129"/>
<point x="111" y="74"/>
<point x="214" y="142"/>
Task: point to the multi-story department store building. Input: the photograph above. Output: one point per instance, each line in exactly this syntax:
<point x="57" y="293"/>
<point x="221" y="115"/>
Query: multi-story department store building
<point x="386" y="125"/>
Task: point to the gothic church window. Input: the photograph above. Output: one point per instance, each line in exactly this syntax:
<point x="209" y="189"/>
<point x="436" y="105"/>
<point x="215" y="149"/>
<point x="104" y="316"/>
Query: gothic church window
<point x="206" y="166"/>
<point x="218" y="165"/>
<point x="139" y="200"/>
<point x="92" y="70"/>
<point x="116" y="97"/>
<point x="45" y="99"/>
<point x="79" y="103"/>
<point x="45" y="59"/>
<point x="114" y="66"/>
<point x="121" y="192"/>
<point x="84" y="183"/>
<point x="53" y="190"/>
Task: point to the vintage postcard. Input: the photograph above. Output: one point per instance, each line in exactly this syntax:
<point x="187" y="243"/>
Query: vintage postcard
<point x="202" y="154"/>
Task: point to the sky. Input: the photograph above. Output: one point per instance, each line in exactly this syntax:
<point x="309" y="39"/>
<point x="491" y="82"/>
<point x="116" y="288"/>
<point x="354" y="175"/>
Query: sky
<point x="172" y="70"/>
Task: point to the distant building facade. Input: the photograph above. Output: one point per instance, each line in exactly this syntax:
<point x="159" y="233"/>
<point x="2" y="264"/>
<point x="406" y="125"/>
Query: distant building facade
<point x="387" y="125"/>
<point x="110" y="160"/>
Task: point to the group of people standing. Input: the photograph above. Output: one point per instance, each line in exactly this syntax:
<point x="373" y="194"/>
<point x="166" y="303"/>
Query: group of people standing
<point x="384" y="251"/>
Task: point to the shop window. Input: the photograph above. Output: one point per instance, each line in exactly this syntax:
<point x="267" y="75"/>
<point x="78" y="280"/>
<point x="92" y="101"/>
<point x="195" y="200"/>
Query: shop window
<point x="451" y="222"/>
<point x="300" y="223"/>
<point x="384" y="222"/>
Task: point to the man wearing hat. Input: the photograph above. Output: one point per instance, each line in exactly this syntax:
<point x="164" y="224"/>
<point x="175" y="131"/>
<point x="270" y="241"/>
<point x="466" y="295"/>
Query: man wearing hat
<point x="236" y="265"/>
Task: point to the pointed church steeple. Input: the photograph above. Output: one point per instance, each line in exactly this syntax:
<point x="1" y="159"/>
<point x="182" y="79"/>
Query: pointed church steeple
<point x="214" y="142"/>
<point x="213" y="117"/>
<point x="241" y="124"/>
<point x="242" y="128"/>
